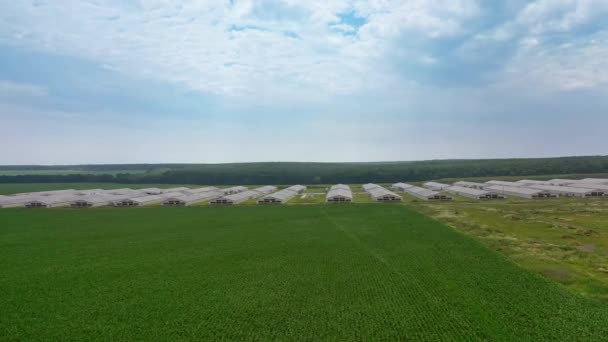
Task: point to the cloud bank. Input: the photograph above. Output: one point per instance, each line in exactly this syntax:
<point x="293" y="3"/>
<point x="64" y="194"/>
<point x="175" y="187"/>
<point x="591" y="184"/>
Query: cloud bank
<point x="327" y="80"/>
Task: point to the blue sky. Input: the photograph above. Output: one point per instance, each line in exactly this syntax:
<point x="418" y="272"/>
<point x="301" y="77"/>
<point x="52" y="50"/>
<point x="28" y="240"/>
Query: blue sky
<point x="114" y="81"/>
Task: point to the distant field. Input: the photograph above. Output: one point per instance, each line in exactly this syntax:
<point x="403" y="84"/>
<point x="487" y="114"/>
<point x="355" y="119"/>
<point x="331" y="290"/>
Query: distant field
<point x="563" y="239"/>
<point x="324" y="272"/>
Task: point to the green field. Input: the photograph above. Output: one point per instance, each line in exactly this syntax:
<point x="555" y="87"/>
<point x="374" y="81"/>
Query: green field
<point x="563" y="239"/>
<point x="320" y="272"/>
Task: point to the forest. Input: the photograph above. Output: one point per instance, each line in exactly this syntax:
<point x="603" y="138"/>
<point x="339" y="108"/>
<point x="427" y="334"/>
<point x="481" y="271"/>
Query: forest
<point x="305" y="173"/>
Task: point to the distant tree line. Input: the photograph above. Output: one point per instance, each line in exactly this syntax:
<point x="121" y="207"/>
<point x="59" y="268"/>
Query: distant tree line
<point x="317" y="173"/>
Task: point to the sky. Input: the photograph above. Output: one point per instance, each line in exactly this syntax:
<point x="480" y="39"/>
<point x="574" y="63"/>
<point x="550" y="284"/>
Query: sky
<point x="151" y="81"/>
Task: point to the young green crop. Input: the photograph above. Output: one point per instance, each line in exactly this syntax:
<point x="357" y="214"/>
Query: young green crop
<point x="322" y="272"/>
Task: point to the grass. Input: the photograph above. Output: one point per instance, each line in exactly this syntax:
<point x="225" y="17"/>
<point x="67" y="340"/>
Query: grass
<point x="565" y="239"/>
<point x="343" y="272"/>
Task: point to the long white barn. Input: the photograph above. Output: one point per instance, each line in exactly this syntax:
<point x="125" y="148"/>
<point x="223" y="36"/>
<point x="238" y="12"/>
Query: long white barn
<point x="339" y="193"/>
<point x="436" y="186"/>
<point x="380" y="194"/>
<point x="567" y="191"/>
<point x="426" y="194"/>
<point x="522" y="192"/>
<point x="282" y="196"/>
<point x="473" y="193"/>
<point x="243" y="196"/>
<point x="472" y="185"/>
<point x="190" y="199"/>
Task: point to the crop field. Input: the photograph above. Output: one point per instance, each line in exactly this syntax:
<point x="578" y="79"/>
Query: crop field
<point x="310" y="272"/>
<point x="565" y="240"/>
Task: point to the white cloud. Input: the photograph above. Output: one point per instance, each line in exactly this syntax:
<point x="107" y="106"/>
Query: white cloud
<point x="560" y="15"/>
<point x="9" y="89"/>
<point x="290" y="50"/>
<point x="571" y="66"/>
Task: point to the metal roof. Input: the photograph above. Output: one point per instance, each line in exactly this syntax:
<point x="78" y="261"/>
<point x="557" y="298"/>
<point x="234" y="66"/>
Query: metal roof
<point x="367" y="187"/>
<point x="340" y="192"/>
<point x="99" y="198"/>
<point x="297" y="188"/>
<point x="421" y="191"/>
<point x="561" y="189"/>
<point x="504" y="183"/>
<point x="380" y="192"/>
<point x="234" y="189"/>
<point x="340" y="186"/>
<point x="401" y="186"/>
<point x="592" y="186"/>
<point x="436" y="186"/>
<point x="531" y="181"/>
<point x="199" y="190"/>
<point x="282" y="195"/>
<point x="54" y="199"/>
<point x="470" y="184"/>
<point x="263" y="190"/>
<point x="178" y="189"/>
<point x="197" y="197"/>
<point x="461" y="190"/>
<point x="595" y="180"/>
<point x="147" y="199"/>
<point x="171" y="194"/>
<point x="151" y="191"/>
<point x="514" y="189"/>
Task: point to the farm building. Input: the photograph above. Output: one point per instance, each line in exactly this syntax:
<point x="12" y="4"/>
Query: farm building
<point x="562" y="182"/>
<point x="45" y="193"/>
<point x="472" y="185"/>
<point x="297" y="188"/>
<point x="59" y="200"/>
<point x="124" y="191"/>
<point x="367" y="187"/>
<point x="523" y="192"/>
<point x="95" y="200"/>
<point x="598" y="187"/>
<point x="340" y="186"/>
<point x="16" y="200"/>
<point x="87" y="192"/>
<point x="505" y="183"/>
<point x="567" y="191"/>
<point x="234" y="190"/>
<point x="339" y="193"/>
<point x="199" y="190"/>
<point x="534" y="182"/>
<point x="436" y="186"/>
<point x="381" y="194"/>
<point x="282" y="196"/>
<point x="138" y="201"/>
<point x="473" y="193"/>
<point x="400" y="186"/>
<point x="243" y="196"/>
<point x="178" y="189"/>
<point x="54" y="192"/>
<point x="186" y="200"/>
<point x="171" y="194"/>
<point x="426" y="194"/>
<point x="151" y="191"/>
<point x="595" y="180"/>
